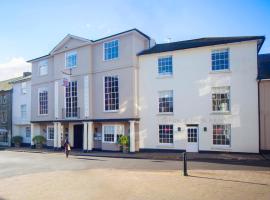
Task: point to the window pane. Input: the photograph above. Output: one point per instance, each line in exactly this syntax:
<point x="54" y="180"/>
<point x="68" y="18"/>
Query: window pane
<point x="111" y="50"/>
<point x="220" y="59"/>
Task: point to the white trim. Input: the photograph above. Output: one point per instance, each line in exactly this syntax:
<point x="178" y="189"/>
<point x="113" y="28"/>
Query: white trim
<point x="164" y="75"/>
<point x="56" y="99"/>
<point x="229" y="63"/>
<point x="104" y="50"/>
<point x="226" y="89"/>
<point x="166" y="144"/>
<point x="86" y="95"/>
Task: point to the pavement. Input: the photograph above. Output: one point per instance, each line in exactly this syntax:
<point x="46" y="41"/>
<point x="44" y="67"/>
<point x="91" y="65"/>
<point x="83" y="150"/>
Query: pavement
<point x="26" y="175"/>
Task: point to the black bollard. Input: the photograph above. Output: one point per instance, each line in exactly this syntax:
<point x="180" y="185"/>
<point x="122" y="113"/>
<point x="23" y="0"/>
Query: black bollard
<point x="185" y="164"/>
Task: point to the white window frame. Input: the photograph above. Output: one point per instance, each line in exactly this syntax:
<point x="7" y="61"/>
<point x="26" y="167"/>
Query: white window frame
<point x="39" y="91"/>
<point x="159" y="95"/>
<point x="67" y="54"/>
<point x="115" y="132"/>
<point x="218" y="90"/>
<point x="23" y="117"/>
<point x="221" y="70"/>
<point x="163" y="143"/>
<point x="222" y="145"/>
<point x="48" y="134"/>
<point x="104" y="50"/>
<point x="164" y="74"/>
<point x="104" y="109"/>
<point x="41" y="64"/>
<point x="23" y="88"/>
<point x="65" y="99"/>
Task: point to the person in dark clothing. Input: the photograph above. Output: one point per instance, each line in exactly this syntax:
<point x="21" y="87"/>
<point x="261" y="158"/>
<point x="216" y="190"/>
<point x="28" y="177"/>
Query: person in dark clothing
<point x="67" y="147"/>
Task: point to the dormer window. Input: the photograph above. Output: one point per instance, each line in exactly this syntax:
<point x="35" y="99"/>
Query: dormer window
<point x="111" y="50"/>
<point x="71" y="59"/>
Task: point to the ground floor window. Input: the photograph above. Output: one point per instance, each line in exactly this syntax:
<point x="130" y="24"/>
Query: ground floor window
<point x="50" y="133"/>
<point x="4" y="136"/>
<point x="27" y="132"/>
<point x="112" y="132"/>
<point x="166" y="133"/>
<point x="221" y="134"/>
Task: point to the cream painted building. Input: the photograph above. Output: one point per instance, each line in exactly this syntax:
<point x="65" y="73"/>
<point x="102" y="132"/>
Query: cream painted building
<point x="200" y="95"/>
<point x="87" y="90"/>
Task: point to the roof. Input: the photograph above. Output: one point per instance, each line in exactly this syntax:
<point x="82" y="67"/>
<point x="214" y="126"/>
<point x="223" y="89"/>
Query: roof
<point x="264" y="66"/>
<point x="21" y="79"/>
<point x="89" y="41"/>
<point x="6" y="84"/>
<point x="201" y="42"/>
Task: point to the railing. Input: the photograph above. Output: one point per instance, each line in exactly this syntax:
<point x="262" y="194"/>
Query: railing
<point x="71" y="113"/>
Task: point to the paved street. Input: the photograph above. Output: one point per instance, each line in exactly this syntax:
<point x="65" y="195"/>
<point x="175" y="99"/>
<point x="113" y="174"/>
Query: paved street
<point x="50" y="175"/>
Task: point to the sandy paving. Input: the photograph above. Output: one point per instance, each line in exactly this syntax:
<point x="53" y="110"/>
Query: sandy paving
<point x="140" y="185"/>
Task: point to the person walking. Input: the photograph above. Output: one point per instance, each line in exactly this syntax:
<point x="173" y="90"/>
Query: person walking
<point x="67" y="147"/>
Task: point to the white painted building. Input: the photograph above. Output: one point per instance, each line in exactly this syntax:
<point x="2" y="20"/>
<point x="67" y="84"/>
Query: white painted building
<point x="200" y="95"/>
<point x="21" y="108"/>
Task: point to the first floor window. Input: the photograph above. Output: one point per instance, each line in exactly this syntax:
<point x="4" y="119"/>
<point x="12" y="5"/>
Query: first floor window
<point x="165" y="66"/>
<point x="220" y="59"/>
<point x="43" y="102"/>
<point x="23" y="111"/>
<point x="43" y="67"/>
<point x="166" y="133"/>
<point x="27" y="132"/>
<point x="222" y="134"/>
<point x="221" y="99"/>
<point x="23" y="88"/>
<point x="111" y="50"/>
<point x="50" y="133"/>
<point x="165" y="101"/>
<point x="72" y="100"/>
<point x="112" y="132"/>
<point x="111" y="90"/>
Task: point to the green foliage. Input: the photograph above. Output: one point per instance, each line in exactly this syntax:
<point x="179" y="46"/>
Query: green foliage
<point x="17" y="139"/>
<point x="123" y="140"/>
<point x="39" y="139"/>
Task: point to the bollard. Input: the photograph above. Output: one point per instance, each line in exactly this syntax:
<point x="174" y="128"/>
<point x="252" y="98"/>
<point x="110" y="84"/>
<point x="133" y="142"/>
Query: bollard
<point x="185" y="164"/>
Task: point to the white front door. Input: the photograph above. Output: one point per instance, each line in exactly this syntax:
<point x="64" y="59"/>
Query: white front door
<point x="192" y="139"/>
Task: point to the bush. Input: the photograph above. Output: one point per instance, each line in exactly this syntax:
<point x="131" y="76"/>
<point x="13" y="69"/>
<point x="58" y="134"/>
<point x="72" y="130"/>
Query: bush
<point x="39" y="140"/>
<point x="17" y="140"/>
<point x="124" y="142"/>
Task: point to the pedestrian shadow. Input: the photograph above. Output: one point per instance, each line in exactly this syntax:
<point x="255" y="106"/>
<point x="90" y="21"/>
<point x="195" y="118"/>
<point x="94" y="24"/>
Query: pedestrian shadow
<point x="228" y="180"/>
<point x="95" y="159"/>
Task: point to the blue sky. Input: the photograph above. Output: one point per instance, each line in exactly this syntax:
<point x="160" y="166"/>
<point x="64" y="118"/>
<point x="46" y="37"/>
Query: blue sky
<point x="30" y="29"/>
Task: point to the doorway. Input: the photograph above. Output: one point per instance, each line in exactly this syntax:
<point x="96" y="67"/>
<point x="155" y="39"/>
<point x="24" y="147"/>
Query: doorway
<point x="78" y="136"/>
<point x="192" y="139"/>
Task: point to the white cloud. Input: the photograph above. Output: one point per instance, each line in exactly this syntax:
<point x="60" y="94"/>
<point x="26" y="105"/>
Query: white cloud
<point x="14" y="68"/>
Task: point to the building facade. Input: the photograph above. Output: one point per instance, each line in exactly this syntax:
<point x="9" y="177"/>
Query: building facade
<point x="264" y="95"/>
<point x="5" y="112"/>
<point x="21" y="108"/>
<point x="87" y="90"/>
<point x="200" y="95"/>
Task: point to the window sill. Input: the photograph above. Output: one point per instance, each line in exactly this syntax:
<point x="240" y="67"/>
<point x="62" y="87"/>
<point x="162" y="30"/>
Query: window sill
<point x="221" y="113"/>
<point x="166" y="113"/>
<point x="164" y="76"/>
<point x="71" y="67"/>
<point x="220" y="72"/>
<point x="111" y="111"/>
<point x="221" y="147"/>
<point x="113" y="59"/>
<point x="168" y="145"/>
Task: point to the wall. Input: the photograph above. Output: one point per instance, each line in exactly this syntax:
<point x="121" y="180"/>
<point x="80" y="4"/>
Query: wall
<point x="265" y="114"/>
<point x="191" y="83"/>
